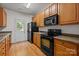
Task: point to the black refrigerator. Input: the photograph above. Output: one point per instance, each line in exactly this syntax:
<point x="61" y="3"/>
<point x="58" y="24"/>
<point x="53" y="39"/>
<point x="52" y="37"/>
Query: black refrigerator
<point x="31" y="27"/>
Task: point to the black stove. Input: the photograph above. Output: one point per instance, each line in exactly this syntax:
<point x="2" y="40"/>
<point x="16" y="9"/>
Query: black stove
<point x="47" y="41"/>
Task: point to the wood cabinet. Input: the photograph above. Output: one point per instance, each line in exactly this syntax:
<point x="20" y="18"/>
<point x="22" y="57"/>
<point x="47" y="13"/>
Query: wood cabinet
<point x="5" y="46"/>
<point x="37" y="18"/>
<point x="8" y="44"/>
<point x="78" y="12"/>
<point x="53" y="9"/>
<point x="49" y="11"/>
<point x="67" y="13"/>
<point x="36" y="39"/>
<point x="33" y="19"/>
<point x="46" y="12"/>
<point x="3" y="17"/>
<point x="2" y="48"/>
<point x="41" y="19"/>
<point x="65" y="48"/>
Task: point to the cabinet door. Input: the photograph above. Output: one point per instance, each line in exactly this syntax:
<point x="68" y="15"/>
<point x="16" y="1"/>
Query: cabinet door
<point x="71" y="48"/>
<point x="78" y="12"/>
<point x="34" y="38"/>
<point x="37" y="19"/>
<point x="38" y="39"/>
<point x="41" y="19"/>
<point x="8" y="44"/>
<point x="33" y="19"/>
<point x="53" y="9"/>
<point x="46" y="12"/>
<point x="2" y="48"/>
<point x="59" y="50"/>
<point x="3" y="17"/>
<point x="67" y="13"/>
<point x="64" y="48"/>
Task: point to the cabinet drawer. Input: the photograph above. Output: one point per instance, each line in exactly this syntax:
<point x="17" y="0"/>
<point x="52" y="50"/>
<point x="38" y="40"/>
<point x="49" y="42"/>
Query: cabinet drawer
<point x="70" y="45"/>
<point x="57" y="41"/>
<point x="66" y="44"/>
<point x="59" y="50"/>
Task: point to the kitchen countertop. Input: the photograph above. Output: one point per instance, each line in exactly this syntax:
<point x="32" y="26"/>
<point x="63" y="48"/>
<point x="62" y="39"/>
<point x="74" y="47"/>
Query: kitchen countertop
<point x="3" y="35"/>
<point x="68" y="38"/>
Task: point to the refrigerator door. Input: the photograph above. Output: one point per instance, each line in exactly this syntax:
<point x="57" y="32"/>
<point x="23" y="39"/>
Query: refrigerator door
<point x="29" y="32"/>
<point x="34" y="27"/>
<point x="31" y="28"/>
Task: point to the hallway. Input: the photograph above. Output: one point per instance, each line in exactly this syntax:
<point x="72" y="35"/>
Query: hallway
<point x="25" y="49"/>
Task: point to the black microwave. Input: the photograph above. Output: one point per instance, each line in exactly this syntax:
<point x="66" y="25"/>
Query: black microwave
<point x="52" y="20"/>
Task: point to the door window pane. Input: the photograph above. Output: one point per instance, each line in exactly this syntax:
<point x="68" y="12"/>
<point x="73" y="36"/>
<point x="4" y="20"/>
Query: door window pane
<point x="20" y="25"/>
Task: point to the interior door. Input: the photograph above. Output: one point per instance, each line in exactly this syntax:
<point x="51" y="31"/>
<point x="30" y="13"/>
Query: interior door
<point x="20" y="30"/>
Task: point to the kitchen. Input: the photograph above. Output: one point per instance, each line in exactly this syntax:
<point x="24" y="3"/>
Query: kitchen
<point x="53" y="30"/>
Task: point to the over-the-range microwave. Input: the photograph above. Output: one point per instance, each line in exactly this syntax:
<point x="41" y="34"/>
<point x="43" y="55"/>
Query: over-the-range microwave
<point x="52" y="20"/>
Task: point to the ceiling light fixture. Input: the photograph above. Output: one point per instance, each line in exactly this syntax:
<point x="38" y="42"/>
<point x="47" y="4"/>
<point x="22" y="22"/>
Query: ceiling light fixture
<point x="28" y="5"/>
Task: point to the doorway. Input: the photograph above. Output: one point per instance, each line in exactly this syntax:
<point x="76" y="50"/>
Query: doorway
<point x="20" y="30"/>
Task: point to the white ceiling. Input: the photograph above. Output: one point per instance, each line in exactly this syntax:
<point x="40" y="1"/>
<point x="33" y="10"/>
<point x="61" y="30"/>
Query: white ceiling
<point x="20" y="7"/>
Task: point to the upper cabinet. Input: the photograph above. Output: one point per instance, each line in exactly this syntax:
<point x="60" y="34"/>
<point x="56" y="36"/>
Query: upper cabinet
<point x="3" y="17"/>
<point x="37" y="19"/>
<point x="53" y="9"/>
<point x="68" y="13"/>
<point x="78" y="13"/>
<point x="33" y="19"/>
<point x="46" y="12"/>
<point x="41" y="19"/>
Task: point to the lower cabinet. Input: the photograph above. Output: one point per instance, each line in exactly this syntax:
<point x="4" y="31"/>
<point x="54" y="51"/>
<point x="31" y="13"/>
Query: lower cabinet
<point x="8" y="44"/>
<point x="65" y="48"/>
<point x="2" y="48"/>
<point x="36" y="39"/>
<point x="5" y="46"/>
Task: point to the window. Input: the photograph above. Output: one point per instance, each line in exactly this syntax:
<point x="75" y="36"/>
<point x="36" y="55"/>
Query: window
<point x="20" y="25"/>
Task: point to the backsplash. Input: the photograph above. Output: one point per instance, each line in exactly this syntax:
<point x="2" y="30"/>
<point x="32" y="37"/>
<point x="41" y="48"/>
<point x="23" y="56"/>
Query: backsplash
<point x="70" y="29"/>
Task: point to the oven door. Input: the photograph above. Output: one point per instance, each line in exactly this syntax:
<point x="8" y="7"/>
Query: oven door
<point x="47" y="46"/>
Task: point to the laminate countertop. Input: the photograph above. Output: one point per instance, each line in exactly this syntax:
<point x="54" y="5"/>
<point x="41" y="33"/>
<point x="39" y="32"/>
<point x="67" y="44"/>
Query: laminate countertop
<point x="3" y="35"/>
<point x="68" y="38"/>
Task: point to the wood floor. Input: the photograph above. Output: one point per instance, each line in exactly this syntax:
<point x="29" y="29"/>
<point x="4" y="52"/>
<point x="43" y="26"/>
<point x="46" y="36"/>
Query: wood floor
<point x="25" y="49"/>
